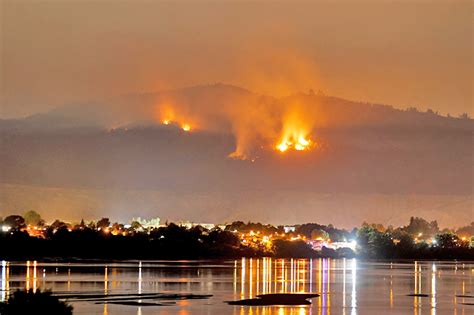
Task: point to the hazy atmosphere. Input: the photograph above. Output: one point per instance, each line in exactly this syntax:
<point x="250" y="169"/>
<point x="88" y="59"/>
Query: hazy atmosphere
<point x="403" y="53"/>
<point x="236" y="157"/>
<point x="335" y="112"/>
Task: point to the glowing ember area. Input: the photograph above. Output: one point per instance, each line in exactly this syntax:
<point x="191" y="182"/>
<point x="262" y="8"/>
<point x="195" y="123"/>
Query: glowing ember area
<point x="283" y="146"/>
<point x="299" y="144"/>
<point x="185" y="126"/>
<point x="170" y="116"/>
<point x="296" y="127"/>
<point x="302" y="144"/>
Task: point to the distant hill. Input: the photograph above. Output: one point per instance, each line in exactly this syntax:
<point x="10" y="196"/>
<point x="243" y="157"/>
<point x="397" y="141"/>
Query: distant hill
<point x="211" y="100"/>
<point x="363" y="149"/>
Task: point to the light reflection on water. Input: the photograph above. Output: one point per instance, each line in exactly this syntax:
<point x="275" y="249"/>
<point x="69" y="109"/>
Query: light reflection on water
<point x="346" y="286"/>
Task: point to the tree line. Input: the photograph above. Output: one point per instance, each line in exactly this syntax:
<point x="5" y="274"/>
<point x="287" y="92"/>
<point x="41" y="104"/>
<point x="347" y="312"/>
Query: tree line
<point x="101" y="239"/>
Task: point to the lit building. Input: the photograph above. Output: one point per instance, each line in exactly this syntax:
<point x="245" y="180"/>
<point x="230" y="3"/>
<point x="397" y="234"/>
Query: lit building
<point x="289" y="229"/>
<point x="188" y="225"/>
<point x="146" y="224"/>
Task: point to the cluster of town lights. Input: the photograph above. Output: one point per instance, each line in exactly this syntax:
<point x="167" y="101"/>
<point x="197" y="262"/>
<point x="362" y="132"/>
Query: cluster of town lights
<point x="256" y="239"/>
<point x="261" y="241"/>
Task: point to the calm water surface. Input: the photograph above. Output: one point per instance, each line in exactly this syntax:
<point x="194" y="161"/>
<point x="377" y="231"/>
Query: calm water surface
<point x="346" y="286"/>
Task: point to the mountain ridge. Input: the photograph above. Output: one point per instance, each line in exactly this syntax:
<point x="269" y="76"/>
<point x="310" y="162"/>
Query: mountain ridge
<point x="107" y="112"/>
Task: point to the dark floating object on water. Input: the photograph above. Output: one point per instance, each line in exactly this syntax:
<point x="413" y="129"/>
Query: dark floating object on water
<point x="132" y="299"/>
<point x="136" y="303"/>
<point x="277" y="299"/>
<point x="464" y="296"/>
<point x="419" y="295"/>
<point x="130" y="296"/>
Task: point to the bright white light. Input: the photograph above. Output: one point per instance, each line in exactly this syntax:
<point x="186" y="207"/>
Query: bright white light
<point x="5" y="228"/>
<point x="4" y="281"/>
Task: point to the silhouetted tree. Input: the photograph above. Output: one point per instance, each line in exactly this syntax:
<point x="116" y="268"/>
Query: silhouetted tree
<point x="217" y="237"/>
<point x="57" y="224"/>
<point x="447" y="240"/>
<point x="250" y="226"/>
<point x="103" y="223"/>
<point x="319" y="234"/>
<point x="405" y="246"/>
<point x="466" y="231"/>
<point x="419" y="226"/>
<point x="29" y="302"/>
<point x="117" y="227"/>
<point x="81" y="226"/>
<point x="377" y="226"/>
<point x="374" y="244"/>
<point x="15" y="222"/>
<point x="33" y="218"/>
<point x="283" y="248"/>
<point x="334" y="233"/>
<point x="135" y="225"/>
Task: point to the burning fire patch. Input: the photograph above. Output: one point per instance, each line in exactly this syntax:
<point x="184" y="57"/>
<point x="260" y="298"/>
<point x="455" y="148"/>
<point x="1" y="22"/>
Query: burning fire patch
<point x="299" y="144"/>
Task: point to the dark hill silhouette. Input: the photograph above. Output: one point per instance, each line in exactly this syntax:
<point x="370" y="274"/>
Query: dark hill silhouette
<point x="364" y="149"/>
<point x="130" y="109"/>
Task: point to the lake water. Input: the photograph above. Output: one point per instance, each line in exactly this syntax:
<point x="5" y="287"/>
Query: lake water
<point x="346" y="286"/>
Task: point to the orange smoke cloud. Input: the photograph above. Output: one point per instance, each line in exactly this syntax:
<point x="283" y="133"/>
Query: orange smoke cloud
<point x="278" y="72"/>
<point x="256" y="122"/>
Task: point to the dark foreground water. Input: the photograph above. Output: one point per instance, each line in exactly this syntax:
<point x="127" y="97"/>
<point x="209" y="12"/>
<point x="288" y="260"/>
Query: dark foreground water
<point x="346" y="286"/>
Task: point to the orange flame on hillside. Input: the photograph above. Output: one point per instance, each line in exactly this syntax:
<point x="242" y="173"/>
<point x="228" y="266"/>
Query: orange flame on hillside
<point x="168" y="115"/>
<point x="294" y="135"/>
<point x="165" y="114"/>
<point x="299" y="144"/>
<point x="254" y="127"/>
<point x="257" y="122"/>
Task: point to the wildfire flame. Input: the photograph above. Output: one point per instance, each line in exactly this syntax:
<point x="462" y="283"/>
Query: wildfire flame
<point x="255" y="127"/>
<point x="283" y="146"/>
<point x="184" y="126"/>
<point x="299" y="144"/>
<point x="168" y="115"/>
<point x="295" y="132"/>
